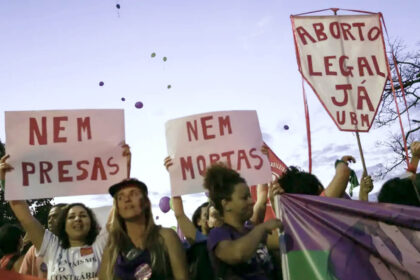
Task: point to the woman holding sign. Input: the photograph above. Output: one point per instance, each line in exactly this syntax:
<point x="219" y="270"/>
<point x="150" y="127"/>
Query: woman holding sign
<point x="76" y="251"/>
<point x="237" y="249"/>
<point x="137" y="248"/>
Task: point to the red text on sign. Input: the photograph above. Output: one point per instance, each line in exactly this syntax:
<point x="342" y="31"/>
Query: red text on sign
<point x="96" y="169"/>
<point x="39" y="131"/>
<point x="239" y="160"/>
<point x="332" y="66"/>
<point x="208" y="128"/>
<point x="337" y="30"/>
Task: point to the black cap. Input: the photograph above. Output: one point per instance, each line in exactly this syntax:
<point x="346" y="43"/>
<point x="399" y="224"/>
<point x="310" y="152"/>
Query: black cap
<point x="125" y="183"/>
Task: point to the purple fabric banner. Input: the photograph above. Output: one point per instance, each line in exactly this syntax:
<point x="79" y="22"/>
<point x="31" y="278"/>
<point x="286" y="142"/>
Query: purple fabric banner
<point x="331" y="238"/>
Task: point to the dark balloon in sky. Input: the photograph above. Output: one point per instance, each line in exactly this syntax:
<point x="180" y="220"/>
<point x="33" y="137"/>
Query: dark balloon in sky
<point x="286" y="127"/>
<point x="118" y="6"/>
<point x="101" y="83"/>
<point x="139" y="105"/>
<point x="164" y="58"/>
<point x="153" y="55"/>
<point x="122" y="99"/>
<point x="169" y="86"/>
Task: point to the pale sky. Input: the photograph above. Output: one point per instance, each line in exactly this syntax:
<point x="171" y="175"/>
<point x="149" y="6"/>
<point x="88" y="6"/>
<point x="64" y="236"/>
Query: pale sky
<point x="221" y="55"/>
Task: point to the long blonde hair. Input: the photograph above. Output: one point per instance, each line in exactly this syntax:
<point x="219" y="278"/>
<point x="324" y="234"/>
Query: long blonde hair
<point x="154" y="241"/>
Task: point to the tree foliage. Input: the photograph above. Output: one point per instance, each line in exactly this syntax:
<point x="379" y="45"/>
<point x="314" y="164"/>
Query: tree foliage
<point x="408" y="63"/>
<point x="39" y="207"/>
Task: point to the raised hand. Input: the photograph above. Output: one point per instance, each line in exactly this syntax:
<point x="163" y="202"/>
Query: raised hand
<point x="4" y="167"/>
<point x="366" y="186"/>
<point x="168" y="162"/>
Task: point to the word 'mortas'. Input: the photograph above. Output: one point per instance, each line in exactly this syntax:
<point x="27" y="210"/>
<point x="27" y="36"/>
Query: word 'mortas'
<point x="210" y="128"/>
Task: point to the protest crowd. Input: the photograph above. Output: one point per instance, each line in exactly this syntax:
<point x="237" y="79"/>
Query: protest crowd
<point x="260" y="220"/>
<point x="233" y="242"/>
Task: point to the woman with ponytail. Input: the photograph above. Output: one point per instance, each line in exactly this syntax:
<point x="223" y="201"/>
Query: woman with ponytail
<point x="237" y="249"/>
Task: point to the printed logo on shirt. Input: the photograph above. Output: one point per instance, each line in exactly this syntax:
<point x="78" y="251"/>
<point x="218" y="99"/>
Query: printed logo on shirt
<point x="83" y="276"/>
<point x="86" y="251"/>
<point x="261" y="259"/>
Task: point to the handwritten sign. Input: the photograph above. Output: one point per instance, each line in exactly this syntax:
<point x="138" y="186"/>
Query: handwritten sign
<point x="196" y="142"/>
<point x="59" y="153"/>
<point x="343" y="59"/>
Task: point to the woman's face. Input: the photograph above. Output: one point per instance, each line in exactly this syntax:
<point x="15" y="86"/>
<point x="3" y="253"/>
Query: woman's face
<point x="202" y="222"/>
<point x="77" y="223"/>
<point x="130" y="202"/>
<point x="214" y="218"/>
<point x="241" y="203"/>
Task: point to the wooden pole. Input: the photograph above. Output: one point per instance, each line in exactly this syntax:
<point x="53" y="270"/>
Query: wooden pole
<point x="361" y="153"/>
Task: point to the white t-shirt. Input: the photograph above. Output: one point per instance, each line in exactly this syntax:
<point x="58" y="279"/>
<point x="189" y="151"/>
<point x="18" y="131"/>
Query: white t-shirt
<point x="74" y="263"/>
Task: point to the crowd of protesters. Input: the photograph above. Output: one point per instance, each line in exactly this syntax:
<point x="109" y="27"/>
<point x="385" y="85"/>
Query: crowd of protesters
<point x="226" y="238"/>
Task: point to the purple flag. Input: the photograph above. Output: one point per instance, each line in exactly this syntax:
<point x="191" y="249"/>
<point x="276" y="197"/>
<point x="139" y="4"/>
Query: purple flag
<point x="332" y="238"/>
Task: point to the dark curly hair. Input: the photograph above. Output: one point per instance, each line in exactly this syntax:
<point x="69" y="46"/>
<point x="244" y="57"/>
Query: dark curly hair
<point x="10" y="236"/>
<point x="220" y="180"/>
<point x="197" y="215"/>
<point x="61" y="226"/>
<point x="400" y="191"/>
<point x="299" y="182"/>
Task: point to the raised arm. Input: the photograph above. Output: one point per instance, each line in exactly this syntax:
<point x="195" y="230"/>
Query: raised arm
<point x="187" y="227"/>
<point x="262" y="192"/>
<point x="176" y="253"/>
<point x="260" y="205"/>
<point x="242" y="249"/>
<point x="338" y="185"/>
<point x="273" y="190"/>
<point x="127" y="154"/>
<point x="21" y="210"/>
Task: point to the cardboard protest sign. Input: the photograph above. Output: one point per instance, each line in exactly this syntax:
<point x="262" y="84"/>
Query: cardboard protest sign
<point x="343" y="59"/>
<point x="60" y="153"/>
<point x="195" y="142"/>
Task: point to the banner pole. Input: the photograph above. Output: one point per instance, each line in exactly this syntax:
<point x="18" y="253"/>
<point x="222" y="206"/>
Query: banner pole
<point x="282" y="242"/>
<point x="362" y="157"/>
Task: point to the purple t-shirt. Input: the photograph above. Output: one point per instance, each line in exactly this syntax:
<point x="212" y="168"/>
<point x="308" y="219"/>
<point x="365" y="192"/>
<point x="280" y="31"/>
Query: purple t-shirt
<point x="259" y="267"/>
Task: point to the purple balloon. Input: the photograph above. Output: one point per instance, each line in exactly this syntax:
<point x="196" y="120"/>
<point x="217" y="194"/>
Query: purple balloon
<point x="157" y="217"/>
<point x="122" y="99"/>
<point x="286" y="127"/>
<point x="101" y="83"/>
<point x="164" y="204"/>
<point x="139" y="105"/>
